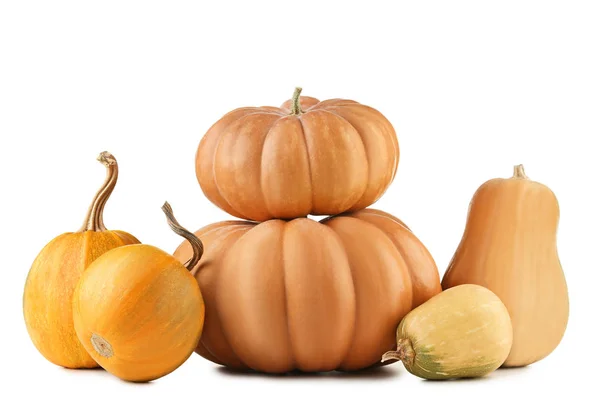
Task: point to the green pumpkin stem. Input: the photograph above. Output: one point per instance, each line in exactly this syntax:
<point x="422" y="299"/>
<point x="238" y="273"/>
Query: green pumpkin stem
<point x="295" y="108"/>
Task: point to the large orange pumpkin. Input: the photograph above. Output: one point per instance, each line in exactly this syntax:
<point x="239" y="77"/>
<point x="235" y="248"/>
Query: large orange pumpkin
<point x="303" y="295"/>
<point x="307" y="157"/>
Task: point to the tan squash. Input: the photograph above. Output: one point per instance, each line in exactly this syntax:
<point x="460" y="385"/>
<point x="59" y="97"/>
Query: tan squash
<point x="509" y="246"/>
<point x="307" y="157"/>
<point x="309" y="296"/>
<point x="55" y="273"/>
<point x="138" y="311"/>
<point x="463" y="332"/>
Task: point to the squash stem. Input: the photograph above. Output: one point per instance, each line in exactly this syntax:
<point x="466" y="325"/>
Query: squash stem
<point x="519" y="172"/>
<point x="195" y="242"/>
<point x="296" y="109"/>
<point x="94" y="219"/>
<point x="403" y="352"/>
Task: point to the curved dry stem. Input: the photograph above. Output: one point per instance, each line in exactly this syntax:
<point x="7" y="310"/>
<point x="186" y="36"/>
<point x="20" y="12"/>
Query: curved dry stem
<point x="195" y="242"/>
<point x="94" y="219"/>
<point x="403" y="352"/>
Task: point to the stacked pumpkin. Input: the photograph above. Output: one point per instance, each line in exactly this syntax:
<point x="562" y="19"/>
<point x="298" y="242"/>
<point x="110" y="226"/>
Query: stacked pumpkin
<point x="286" y="292"/>
<point x="276" y="291"/>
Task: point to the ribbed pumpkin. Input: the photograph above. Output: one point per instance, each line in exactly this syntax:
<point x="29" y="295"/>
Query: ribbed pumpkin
<point x="303" y="295"/>
<point x="307" y="157"/>
<point x="55" y="273"/>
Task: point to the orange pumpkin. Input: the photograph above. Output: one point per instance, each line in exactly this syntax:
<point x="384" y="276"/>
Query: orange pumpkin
<point x="138" y="311"/>
<point x="309" y="296"/>
<point x="55" y="273"/>
<point x="307" y="157"/>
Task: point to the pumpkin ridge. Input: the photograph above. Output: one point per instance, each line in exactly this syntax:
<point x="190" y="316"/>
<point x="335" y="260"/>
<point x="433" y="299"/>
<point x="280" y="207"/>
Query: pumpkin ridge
<point x="390" y="133"/>
<point x="260" y="169"/>
<point x="214" y="156"/>
<point x="354" y="324"/>
<point x="124" y="237"/>
<point x="285" y="297"/>
<point x="256" y="110"/>
<point x="225" y="337"/>
<point x="195" y="270"/>
<point x="364" y="149"/>
<point x="310" y="168"/>
<point x="325" y="111"/>
<point x="401" y="254"/>
<point x="381" y="214"/>
<point x="204" y="160"/>
<point x="78" y="354"/>
<point x="217" y="147"/>
<point x="84" y="247"/>
<point x="354" y="327"/>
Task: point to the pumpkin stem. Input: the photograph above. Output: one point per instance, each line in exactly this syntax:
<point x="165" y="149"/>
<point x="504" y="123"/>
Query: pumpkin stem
<point x="197" y="246"/>
<point x="94" y="219"/>
<point x="296" y="109"/>
<point x="404" y="352"/>
<point x="519" y="172"/>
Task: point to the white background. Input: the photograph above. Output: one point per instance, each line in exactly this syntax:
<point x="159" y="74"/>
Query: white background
<point x="471" y="87"/>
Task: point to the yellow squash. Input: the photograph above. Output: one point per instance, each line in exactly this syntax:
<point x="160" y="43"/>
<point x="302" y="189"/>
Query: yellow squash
<point x="509" y="246"/>
<point x="138" y="311"/>
<point x="55" y="273"/>
<point x="463" y="332"/>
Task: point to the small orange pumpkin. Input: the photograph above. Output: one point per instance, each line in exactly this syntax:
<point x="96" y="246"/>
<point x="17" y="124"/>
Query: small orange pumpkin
<point x="307" y="157"/>
<point x="309" y="296"/>
<point x="138" y="311"/>
<point x="55" y="273"/>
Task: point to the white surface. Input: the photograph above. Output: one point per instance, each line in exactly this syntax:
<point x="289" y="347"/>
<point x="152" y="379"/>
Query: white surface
<point x="471" y="87"/>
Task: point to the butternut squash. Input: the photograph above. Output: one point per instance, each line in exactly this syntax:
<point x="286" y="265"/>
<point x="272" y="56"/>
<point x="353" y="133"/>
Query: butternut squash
<point x="509" y="246"/>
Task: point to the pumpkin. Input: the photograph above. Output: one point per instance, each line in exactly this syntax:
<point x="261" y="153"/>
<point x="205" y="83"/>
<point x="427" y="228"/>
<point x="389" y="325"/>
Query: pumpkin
<point x="306" y="157"/>
<point x="309" y="296"/>
<point x="509" y="246"/>
<point x="138" y="311"/>
<point x="55" y="272"/>
<point x="463" y="332"/>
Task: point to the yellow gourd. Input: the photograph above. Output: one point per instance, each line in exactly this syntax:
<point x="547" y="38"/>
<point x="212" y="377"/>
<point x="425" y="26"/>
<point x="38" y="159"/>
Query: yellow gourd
<point x="509" y="246"/>
<point x="55" y="273"/>
<point x="463" y="332"/>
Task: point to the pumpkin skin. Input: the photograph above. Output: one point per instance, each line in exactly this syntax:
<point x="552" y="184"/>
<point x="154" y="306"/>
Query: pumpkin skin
<point x="55" y="273"/>
<point x="309" y="296"/>
<point x="261" y="163"/>
<point x="509" y="246"/>
<point x="138" y="312"/>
